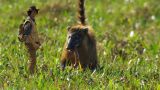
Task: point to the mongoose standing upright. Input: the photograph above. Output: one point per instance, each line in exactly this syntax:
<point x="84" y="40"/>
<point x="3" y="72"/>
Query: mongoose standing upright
<point x="30" y="37"/>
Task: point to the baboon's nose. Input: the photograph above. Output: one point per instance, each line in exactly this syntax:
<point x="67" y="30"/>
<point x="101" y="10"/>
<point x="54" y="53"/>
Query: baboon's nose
<point x="69" y="49"/>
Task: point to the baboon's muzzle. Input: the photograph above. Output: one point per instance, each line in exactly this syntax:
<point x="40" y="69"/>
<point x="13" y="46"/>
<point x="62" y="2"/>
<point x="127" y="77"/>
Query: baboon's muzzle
<point x="70" y="45"/>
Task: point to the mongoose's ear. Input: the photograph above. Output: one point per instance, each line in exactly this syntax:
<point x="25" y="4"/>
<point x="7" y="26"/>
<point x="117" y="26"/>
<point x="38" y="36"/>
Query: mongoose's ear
<point x="68" y="28"/>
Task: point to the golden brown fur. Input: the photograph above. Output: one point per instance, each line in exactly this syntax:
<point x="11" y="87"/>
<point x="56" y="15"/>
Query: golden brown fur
<point x="86" y="54"/>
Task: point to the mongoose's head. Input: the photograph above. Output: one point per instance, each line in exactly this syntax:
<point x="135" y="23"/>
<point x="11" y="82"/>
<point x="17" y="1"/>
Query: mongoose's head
<point x="76" y="36"/>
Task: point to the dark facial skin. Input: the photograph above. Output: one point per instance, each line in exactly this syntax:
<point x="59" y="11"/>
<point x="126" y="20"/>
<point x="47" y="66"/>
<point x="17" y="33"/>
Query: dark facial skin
<point x="75" y="38"/>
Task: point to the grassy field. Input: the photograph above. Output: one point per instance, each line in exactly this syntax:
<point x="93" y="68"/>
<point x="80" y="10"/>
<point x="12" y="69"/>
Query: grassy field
<point x="128" y="43"/>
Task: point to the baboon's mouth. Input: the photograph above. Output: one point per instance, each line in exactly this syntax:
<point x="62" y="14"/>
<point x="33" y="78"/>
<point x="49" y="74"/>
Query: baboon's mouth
<point x="70" y="50"/>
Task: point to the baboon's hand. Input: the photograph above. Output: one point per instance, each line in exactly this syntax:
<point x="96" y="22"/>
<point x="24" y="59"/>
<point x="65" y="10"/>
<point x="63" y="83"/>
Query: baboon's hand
<point x="62" y="66"/>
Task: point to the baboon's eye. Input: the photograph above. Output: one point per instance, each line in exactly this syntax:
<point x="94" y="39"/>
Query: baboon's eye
<point x="69" y="36"/>
<point x="76" y="36"/>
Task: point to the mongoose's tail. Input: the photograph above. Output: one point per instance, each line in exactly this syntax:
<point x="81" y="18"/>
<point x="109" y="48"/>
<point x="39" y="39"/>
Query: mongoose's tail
<point x="81" y="12"/>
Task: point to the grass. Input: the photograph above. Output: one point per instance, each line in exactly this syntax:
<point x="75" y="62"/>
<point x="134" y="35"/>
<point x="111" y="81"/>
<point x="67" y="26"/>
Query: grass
<point x="128" y="42"/>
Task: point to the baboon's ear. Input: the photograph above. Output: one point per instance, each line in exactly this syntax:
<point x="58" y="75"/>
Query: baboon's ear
<point x="85" y="30"/>
<point x="68" y="28"/>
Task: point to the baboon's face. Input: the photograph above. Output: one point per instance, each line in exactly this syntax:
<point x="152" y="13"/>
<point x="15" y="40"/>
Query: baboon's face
<point x="75" y="37"/>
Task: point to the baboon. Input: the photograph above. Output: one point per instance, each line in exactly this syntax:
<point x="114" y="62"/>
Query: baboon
<point x="80" y="45"/>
